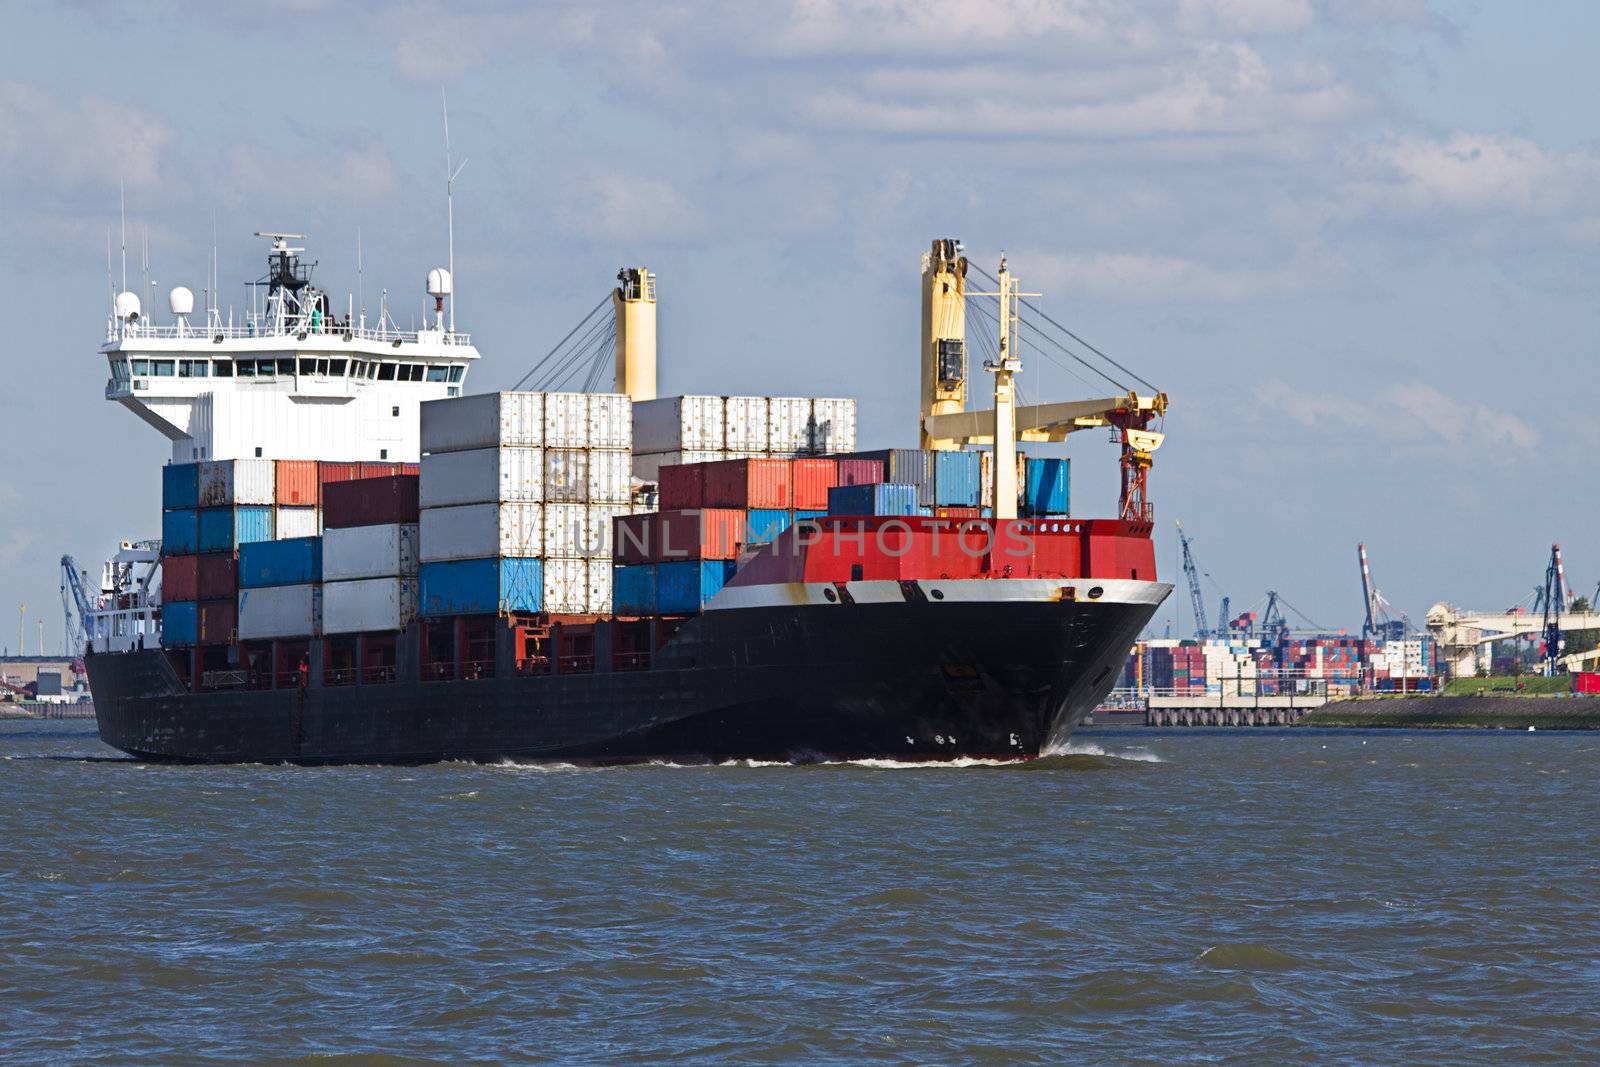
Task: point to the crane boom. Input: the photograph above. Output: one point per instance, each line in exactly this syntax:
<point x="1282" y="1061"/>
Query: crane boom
<point x="73" y="597"/>
<point x="1192" y="574"/>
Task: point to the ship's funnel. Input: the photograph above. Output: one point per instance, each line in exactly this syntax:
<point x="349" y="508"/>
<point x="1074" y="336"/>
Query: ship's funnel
<point x="634" y="303"/>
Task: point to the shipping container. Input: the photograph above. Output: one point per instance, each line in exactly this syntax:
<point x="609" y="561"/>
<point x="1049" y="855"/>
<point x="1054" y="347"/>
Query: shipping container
<point x="706" y="533"/>
<point x="476" y="531"/>
<point x="352" y="553"/>
<point x="225" y="529"/>
<point x="601" y="522"/>
<point x="368" y="605"/>
<point x="329" y="471"/>
<point x="218" y="576"/>
<point x="686" y="587"/>
<point x="879" y="498"/>
<point x="295" y="561"/>
<point x="388" y="470"/>
<point x="853" y="471"/>
<point x="633" y="589"/>
<point x="764" y="524"/>
<point x="647" y="468"/>
<point x="788" y="425"/>
<point x="682" y="486"/>
<point x="233" y="482"/>
<point x="219" y="622"/>
<point x="678" y="424"/>
<point x="610" y="477"/>
<point x="1046" y="489"/>
<point x="488" y="420"/>
<point x="369" y="501"/>
<point x="296" y="522"/>
<point x="566" y="586"/>
<point x="906" y="466"/>
<point x="280" y="611"/>
<point x="482" y="476"/>
<point x="749" y="483"/>
<point x="957" y="479"/>
<point x="180" y="532"/>
<point x="610" y="422"/>
<point x="180" y="624"/>
<point x="180" y="578"/>
<point x="812" y="480"/>
<point x="297" y="483"/>
<point x="599" y="587"/>
<point x="833" y="425"/>
<point x="745" y="423"/>
<point x="566" y="532"/>
<point x="180" y="486"/>
<point x="566" y="475"/>
<point x="482" y="586"/>
<point x="566" y="420"/>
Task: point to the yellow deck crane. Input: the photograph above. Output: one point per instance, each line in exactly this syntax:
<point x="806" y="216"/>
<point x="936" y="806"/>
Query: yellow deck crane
<point x="946" y="425"/>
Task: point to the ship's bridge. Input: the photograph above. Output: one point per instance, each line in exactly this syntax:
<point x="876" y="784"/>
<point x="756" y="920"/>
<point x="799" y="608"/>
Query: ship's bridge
<point x="292" y="380"/>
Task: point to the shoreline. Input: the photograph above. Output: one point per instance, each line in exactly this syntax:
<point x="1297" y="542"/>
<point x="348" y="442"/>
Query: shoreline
<point x="1455" y="713"/>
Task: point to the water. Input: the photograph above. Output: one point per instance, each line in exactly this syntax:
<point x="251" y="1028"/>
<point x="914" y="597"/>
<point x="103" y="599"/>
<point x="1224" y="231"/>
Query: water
<point x="1271" y="896"/>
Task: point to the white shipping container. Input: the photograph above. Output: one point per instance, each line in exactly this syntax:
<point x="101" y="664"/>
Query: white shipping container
<point x="486" y="420"/>
<point x="648" y="467"/>
<point x="228" y="482"/>
<point x="296" y="522"/>
<point x="566" y="586"/>
<point x="677" y="424"/>
<point x="597" y="536"/>
<point x="745" y="427"/>
<point x="280" y="611"/>
<point x="368" y="605"/>
<point x="479" y="531"/>
<point x="566" y="475"/>
<point x="610" y="477"/>
<point x="600" y="586"/>
<point x="356" y="552"/>
<point x="566" y="420"/>
<point x="610" y="420"/>
<point x="788" y="424"/>
<point x="833" y="425"/>
<point x="482" y="476"/>
<point x="566" y="530"/>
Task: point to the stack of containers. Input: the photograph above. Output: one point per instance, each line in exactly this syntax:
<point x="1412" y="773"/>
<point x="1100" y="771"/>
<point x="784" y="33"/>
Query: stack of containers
<point x="588" y="440"/>
<point x="674" y="562"/>
<point x="180" y="534"/>
<point x="700" y="429"/>
<point x="370" y="554"/>
<point x="236" y="498"/>
<point x="280" y="589"/>
<point x="297" y="492"/>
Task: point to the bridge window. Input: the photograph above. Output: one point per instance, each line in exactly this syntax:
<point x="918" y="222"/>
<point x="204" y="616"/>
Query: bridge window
<point x="386" y="372"/>
<point x="455" y="372"/>
<point x="286" y="366"/>
<point x="246" y="368"/>
<point x="222" y="368"/>
<point x="308" y="367"/>
<point x="336" y="368"/>
<point x="141" y="368"/>
<point x="119" y="370"/>
<point x="437" y="374"/>
<point x="162" y="368"/>
<point x="194" y="368"/>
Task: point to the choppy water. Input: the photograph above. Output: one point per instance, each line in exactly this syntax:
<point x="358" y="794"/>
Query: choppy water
<point x="1271" y="896"/>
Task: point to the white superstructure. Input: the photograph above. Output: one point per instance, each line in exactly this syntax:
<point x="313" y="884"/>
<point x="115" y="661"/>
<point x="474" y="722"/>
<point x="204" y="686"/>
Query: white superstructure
<point x="294" y="379"/>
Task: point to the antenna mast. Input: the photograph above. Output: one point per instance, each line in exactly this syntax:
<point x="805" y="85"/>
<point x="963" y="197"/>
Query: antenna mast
<point x="451" y="172"/>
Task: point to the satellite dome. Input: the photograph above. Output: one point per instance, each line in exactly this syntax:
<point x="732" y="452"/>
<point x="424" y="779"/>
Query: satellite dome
<point x="127" y="306"/>
<point x="438" y="282"/>
<point x="181" y="300"/>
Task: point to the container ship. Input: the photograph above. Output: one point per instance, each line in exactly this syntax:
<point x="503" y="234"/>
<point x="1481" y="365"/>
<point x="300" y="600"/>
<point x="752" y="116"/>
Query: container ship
<point x="359" y="562"/>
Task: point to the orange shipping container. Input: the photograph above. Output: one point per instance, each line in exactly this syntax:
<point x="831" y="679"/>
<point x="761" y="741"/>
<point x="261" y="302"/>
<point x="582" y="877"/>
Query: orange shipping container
<point x="749" y="483"/>
<point x="297" y="482"/>
<point x="338" y="472"/>
<point x="812" y="480"/>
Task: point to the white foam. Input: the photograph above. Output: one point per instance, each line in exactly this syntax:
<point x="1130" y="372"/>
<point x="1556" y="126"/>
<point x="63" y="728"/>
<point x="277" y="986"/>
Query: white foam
<point x="1089" y="748"/>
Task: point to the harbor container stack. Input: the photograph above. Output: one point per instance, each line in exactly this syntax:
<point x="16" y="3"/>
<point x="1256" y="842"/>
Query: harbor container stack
<point x="237" y="498"/>
<point x="697" y="429"/>
<point x="297" y="498"/>
<point x="280" y="589"/>
<point x="180" y="544"/>
<point x="370" y="554"/>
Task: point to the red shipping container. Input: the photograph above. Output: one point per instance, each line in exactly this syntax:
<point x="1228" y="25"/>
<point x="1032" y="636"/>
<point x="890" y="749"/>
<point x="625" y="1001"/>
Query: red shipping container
<point x="369" y="501"/>
<point x="682" y="486"/>
<point x="297" y="482"/>
<point x="219" y="575"/>
<point x="749" y="483"/>
<point x="381" y="470"/>
<point x="216" y="622"/>
<point x="859" y="472"/>
<point x="812" y="480"/>
<point x="957" y="513"/>
<point x="337" y="472"/>
<point x="410" y="468"/>
<point x="1586" y="682"/>
<point x="668" y="536"/>
<point x="180" y="578"/>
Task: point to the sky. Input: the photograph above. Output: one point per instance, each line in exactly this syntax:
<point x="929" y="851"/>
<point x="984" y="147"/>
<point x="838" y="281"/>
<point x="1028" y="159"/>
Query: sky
<point x="1354" y="241"/>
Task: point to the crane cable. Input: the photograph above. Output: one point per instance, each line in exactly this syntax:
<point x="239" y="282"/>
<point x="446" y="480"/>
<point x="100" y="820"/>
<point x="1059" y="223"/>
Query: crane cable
<point x="581" y="322"/>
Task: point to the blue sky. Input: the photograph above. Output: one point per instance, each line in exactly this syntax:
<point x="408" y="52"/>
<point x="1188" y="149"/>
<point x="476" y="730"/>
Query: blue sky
<point x="1354" y="241"/>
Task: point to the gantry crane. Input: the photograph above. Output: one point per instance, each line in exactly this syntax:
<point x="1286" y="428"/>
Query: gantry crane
<point x="75" y="607"/>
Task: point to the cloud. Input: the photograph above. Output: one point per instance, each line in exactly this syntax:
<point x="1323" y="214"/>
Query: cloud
<point x="1405" y="412"/>
<point x="355" y="174"/>
<point x="91" y="139"/>
<point x="626" y="207"/>
<point x="1139" y="277"/>
<point x="1476" y="172"/>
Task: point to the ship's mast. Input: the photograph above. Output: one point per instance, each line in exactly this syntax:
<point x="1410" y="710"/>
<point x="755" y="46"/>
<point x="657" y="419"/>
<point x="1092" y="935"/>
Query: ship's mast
<point x="944" y="333"/>
<point x="633" y="306"/>
<point x="1005" y="368"/>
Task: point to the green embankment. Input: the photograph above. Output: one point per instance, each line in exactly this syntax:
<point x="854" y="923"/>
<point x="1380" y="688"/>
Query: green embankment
<point x="1527" y="685"/>
<point x="1512" y="712"/>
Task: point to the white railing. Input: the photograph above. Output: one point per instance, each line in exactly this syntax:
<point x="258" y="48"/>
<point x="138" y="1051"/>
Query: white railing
<point x="250" y="331"/>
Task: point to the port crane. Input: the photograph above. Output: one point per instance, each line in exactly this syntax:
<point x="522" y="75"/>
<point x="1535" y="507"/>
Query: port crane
<point x="1191" y="573"/>
<point x="1553" y="598"/>
<point x="1382" y="619"/>
<point x="75" y="607"/>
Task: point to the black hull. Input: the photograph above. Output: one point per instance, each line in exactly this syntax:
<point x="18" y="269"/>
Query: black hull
<point x="909" y="681"/>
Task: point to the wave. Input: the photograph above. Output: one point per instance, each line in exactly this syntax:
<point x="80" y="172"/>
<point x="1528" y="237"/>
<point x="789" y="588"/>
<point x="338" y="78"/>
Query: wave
<point x="1089" y="748"/>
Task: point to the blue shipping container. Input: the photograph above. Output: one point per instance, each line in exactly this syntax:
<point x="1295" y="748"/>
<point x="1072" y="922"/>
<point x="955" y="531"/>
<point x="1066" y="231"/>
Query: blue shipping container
<point x="180" y="624"/>
<point x="686" y="587"/>
<point x="906" y="466"/>
<point x="633" y="589"/>
<point x="180" y="486"/>
<point x="482" y="587"/>
<point x="180" y="533"/>
<point x="224" y="529"/>
<point x="295" y="561"/>
<point x="1046" y="489"/>
<point x="763" y="524"/>
<point x="882" y="498"/>
<point x="957" y="479"/>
